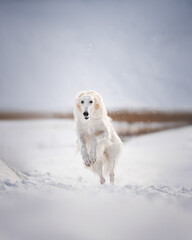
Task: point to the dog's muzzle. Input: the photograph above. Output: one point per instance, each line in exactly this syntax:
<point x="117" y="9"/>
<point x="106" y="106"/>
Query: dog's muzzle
<point x="86" y="115"/>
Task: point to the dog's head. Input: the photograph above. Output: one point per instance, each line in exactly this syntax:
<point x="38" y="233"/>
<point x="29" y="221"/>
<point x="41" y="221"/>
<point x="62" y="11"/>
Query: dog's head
<point x="88" y="103"/>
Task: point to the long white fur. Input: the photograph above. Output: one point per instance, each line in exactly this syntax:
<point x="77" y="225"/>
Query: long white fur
<point x="99" y="144"/>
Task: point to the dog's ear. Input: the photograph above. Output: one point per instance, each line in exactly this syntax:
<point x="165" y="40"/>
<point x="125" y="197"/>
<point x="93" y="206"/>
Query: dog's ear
<point x="77" y="100"/>
<point x="97" y="102"/>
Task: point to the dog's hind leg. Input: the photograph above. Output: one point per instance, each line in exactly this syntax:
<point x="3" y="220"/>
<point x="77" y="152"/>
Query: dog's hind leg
<point x="112" y="154"/>
<point x="111" y="172"/>
<point x="97" y="167"/>
<point x="110" y="164"/>
<point x="111" y="177"/>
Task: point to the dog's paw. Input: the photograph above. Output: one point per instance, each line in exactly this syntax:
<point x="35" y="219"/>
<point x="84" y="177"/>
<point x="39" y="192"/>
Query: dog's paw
<point x="87" y="163"/>
<point x="87" y="160"/>
<point x="102" y="180"/>
<point x="93" y="156"/>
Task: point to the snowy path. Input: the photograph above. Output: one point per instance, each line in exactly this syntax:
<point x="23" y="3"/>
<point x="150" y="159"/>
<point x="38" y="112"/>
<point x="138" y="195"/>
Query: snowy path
<point x="52" y="195"/>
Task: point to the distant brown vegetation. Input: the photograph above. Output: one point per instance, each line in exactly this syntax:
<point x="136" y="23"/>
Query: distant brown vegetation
<point x="136" y="123"/>
<point x="144" y="122"/>
<point x="123" y="115"/>
<point x="33" y="115"/>
<point x="151" y="116"/>
<point x="141" y="129"/>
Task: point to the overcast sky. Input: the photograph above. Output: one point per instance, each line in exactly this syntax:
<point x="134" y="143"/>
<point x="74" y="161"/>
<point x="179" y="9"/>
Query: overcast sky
<point x="137" y="54"/>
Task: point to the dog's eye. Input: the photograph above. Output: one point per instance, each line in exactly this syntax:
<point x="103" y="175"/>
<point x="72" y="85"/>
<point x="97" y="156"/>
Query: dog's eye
<point x="82" y="101"/>
<point x="91" y="101"/>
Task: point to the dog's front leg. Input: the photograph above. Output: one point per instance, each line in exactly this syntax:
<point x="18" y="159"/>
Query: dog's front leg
<point x="93" y="150"/>
<point x="101" y="137"/>
<point x="84" y="153"/>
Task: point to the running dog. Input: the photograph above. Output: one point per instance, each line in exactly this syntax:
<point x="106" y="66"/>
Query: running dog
<point x="99" y="144"/>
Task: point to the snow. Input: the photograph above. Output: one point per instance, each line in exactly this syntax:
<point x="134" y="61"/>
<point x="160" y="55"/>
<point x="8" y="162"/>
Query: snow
<point x="7" y="173"/>
<point x="49" y="194"/>
<point x="160" y="158"/>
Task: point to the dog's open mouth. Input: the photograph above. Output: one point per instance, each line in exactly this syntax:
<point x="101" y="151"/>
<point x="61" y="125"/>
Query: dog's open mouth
<point x="86" y="118"/>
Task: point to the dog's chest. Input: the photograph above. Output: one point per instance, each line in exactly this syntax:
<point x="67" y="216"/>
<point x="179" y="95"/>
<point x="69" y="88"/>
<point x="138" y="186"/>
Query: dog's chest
<point x="90" y="129"/>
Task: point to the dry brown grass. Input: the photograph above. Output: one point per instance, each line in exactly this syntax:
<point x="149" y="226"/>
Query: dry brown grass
<point x="145" y="119"/>
<point x="123" y="115"/>
<point x="141" y="130"/>
<point x="33" y="115"/>
<point x="151" y="116"/>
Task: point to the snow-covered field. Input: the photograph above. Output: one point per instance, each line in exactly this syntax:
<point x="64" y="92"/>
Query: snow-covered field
<point x="137" y="55"/>
<point x="46" y="193"/>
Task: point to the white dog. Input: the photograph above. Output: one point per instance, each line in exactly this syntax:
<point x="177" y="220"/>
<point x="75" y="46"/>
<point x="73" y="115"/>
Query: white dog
<point x="98" y="142"/>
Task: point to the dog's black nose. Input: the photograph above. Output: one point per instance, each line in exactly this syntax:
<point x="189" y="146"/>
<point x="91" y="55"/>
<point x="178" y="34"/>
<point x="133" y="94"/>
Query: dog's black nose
<point x="85" y="114"/>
